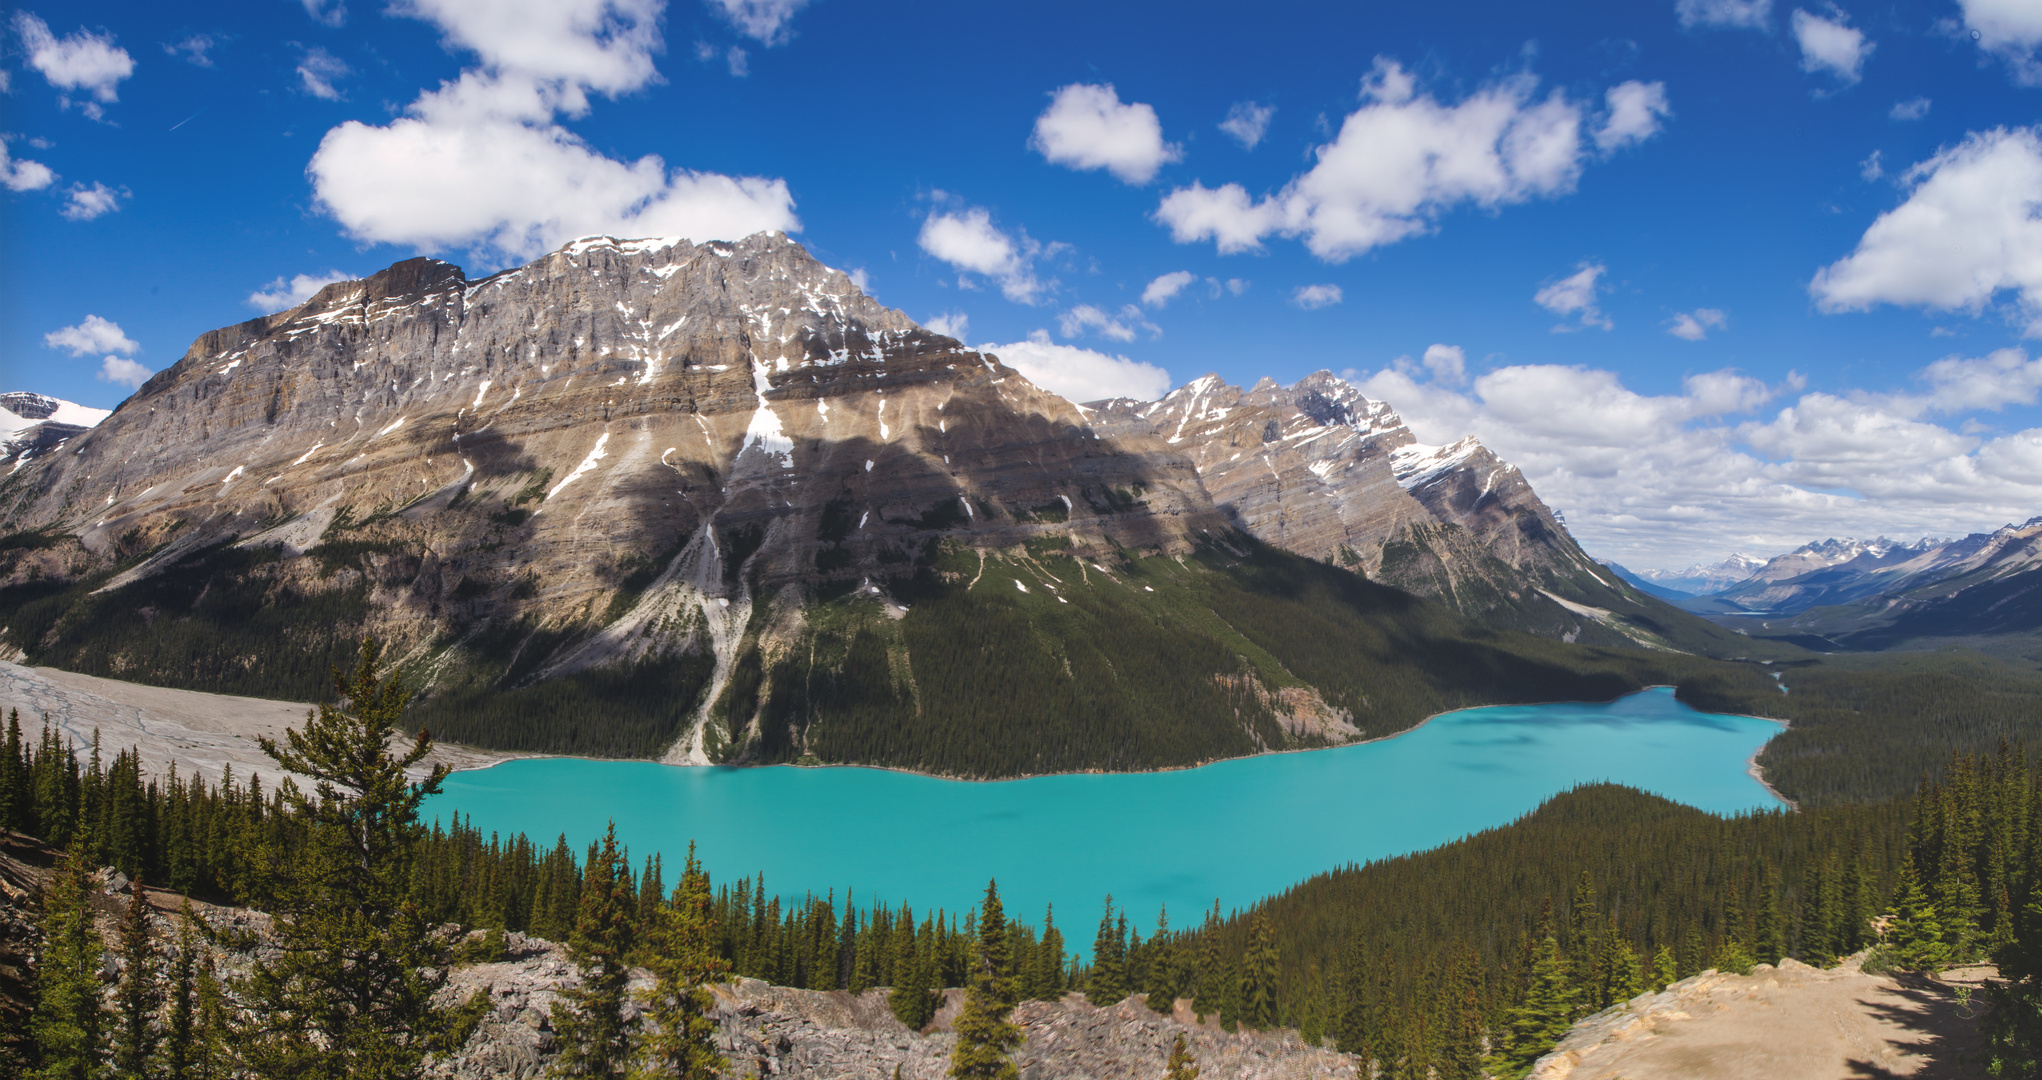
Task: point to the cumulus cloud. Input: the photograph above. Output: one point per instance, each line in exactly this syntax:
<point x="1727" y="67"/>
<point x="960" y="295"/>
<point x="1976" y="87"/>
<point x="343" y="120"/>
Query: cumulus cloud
<point x="1695" y="325"/>
<point x="1080" y="374"/>
<point x="1635" y="113"/>
<point x="92" y="335"/>
<point x="1314" y="297"/>
<point x="319" y="70"/>
<point x="1574" y="297"/>
<point x="968" y="240"/>
<point x="482" y="162"/>
<point x="1161" y="290"/>
<point x="2010" y="30"/>
<point x="1088" y="127"/>
<point x="20" y="174"/>
<point x="196" y="49"/>
<point x="1912" y="109"/>
<point x="327" y="12"/>
<point x="122" y="372"/>
<point x="86" y="62"/>
<point x="85" y="202"/>
<point x="1404" y="159"/>
<point x="282" y="295"/>
<point x="764" y="21"/>
<point x="1831" y="45"/>
<point x="1732" y="463"/>
<point x="1966" y="233"/>
<point x="954" y="324"/>
<point x="1723" y="14"/>
<point x="1125" y="325"/>
<point x="1247" y="122"/>
<point x="1447" y="363"/>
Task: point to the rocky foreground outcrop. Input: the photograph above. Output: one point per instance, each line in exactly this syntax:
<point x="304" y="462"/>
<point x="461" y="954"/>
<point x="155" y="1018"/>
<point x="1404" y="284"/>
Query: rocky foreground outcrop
<point x="767" y="1030"/>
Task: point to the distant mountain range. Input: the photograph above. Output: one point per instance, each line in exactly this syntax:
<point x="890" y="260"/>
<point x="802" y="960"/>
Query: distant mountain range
<point x="711" y="501"/>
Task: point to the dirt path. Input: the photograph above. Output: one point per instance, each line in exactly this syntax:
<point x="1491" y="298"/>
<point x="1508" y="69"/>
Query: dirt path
<point x="1792" y="1022"/>
<point x="202" y="733"/>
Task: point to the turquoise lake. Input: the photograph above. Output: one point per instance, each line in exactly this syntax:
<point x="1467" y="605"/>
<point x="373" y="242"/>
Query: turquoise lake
<point x="1234" y="831"/>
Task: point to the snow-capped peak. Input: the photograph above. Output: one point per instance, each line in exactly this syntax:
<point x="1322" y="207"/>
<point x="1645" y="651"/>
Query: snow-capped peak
<point x="20" y="410"/>
<point x="1418" y="463"/>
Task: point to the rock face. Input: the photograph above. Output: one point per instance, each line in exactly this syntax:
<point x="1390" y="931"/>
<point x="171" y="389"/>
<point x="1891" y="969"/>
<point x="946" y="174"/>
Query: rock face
<point x="765" y="1030"/>
<point x="1318" y="469"/>
<point x="35" y="425"/>
<point x="652" y="436"/>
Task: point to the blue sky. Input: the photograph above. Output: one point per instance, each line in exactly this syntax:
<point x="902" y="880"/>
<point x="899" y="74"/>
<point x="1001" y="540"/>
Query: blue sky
<point x="1717" y="274"/>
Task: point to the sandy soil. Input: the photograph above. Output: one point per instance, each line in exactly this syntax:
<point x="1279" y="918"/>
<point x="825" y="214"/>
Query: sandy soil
<point x="202" y="733"/>
<point x="1794" y="1022"/>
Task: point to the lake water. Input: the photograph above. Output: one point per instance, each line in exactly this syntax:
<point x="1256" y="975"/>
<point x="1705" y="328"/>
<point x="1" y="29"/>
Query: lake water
<point x="1234" y="831"/>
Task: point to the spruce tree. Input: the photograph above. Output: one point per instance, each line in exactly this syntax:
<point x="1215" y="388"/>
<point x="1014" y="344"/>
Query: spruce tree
<point x="1161" y="986"/>
<point x="68" y="1026"/>
<point x="1915" y="938"/>
<point x="1769" y="944"/>
<point x="1460" y="1043"/>
<point x="138" y="995"/>
<point x="911" y="997"/>
<point x="678" y="1040"/>
<point x="1258" y="977"/>
<point x="1206" y="978"/>
<point x="181" y="1043"/>
<point x="1542" y="1016"/>
<point x="1107" y="984"/>
<point x="986" y="1037"/>
<point x="1180" y="1065"/>
<point x="593" y="1036"/>
<point x="350" y="992"/>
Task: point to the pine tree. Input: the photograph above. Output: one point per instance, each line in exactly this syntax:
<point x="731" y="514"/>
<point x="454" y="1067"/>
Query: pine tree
<point x="181" y="1042"/>
<point x="592" y="1033"/>
<point x="210" y="1057"/>
<point x="1161" y="986"/>
<point x="1665" y="969"/>
<point x="679" y="1039"/>
<point x="912" y="999"/>
<point x="68" y="1026"/>
<point x="1207" y="985"/>
<point x="138" y="995"/>
<point x="1460" y="1045"/>
<point x="986" y="1037"/>
<point x="1915" y="937"/>
<point x="1769" y="944"/>
<point x="1541" y="1018"/>
<point x="1180" y="1065"/>
<point x="1107" y="984"/>
<point x="1258" y="977"/>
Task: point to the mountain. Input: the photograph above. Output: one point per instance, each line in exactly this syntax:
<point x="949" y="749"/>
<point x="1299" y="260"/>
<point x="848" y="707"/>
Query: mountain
<point x="1700" y="580"/>
<point x="710" y="501"/>
<point x="33" y="425"/>
<point x="1985" y="585"/>
<point x="1645" y="585"/>
<point x="1320" y="470"/>
<point x="1827" y="572"/>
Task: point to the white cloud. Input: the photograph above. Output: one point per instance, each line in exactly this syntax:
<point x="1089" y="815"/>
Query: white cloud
<point x="1124" y="326"/>
<point x="1247" y="122"/>
<point x="83" y="61"/>
<point x="121" y="372"/>
<point x="1447" y="363"/>
<point x="1966" y="233"/>
<point x="1635" y="112"/>
<point x="1313" y="297"/>
<point x="85" y="203"/>
<point x="969" y="241"/>
<point x="1233" y="285"/>
<point x="1161" y="290"/>
<point x="1695" y="325"/>
<point x="1574" y="297"/>
<point x="765" y="21"/>
<point x="1088" y="127"/>
<point x="1724" y="14"/>
<point x="481" y="162"/>
<point x="954" y="324"/>
<point x="1080" y="374"/>
<point x="1872" y="168"/>
<point x="1913" y="109"/>
<point x="1404" y="159"/>
<point x="1831" y="45"/>
<point x="1668" y="480"/>
<point x="195" y="49"/>
<point x="282" y="295"/>
<point x="2009" y="29"/>
<point x="20" y="174"/>
<point x="327" y="12"/>
<point x="319" y="70"/>
<point x="739" y="62"/>
<point x="93" y="335"/>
